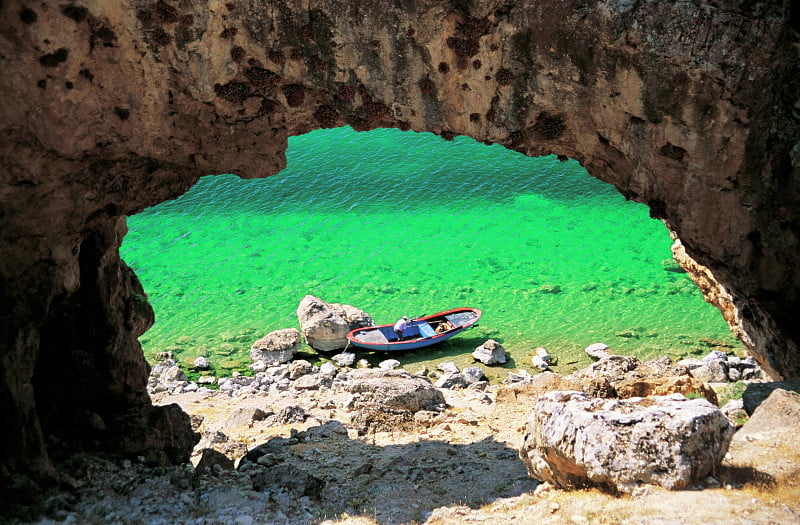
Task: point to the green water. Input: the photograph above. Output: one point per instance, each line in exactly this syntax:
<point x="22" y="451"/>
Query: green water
<point x="401" y="223"/>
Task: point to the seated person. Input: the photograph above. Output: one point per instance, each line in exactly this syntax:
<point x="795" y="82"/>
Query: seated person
<point x="444" y="326"/>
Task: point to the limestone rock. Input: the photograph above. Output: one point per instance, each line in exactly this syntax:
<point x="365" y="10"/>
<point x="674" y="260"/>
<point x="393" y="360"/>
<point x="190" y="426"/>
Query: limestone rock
<point x="395" y="389"/>
<point x="544" y="355"/>
<point x="755" y="393"/>
<point x="389" y="364"/>
<point x="769" y="438"/>
<point x="573" y="441"/>
<point x="597" y="350"/>
<point x="664" y="386"/>
<point x="451" y="381"/>
<point x="276" y="347"/>
<point x="540" y="363"/>
<point x="473" y="374"/>
<point x="711" y="371"/>
<point x="344" y="359"/>
<point x="490" y="353"/>
<point x="448" y="367"/>
<point x="297" y="369"/>
<point x="325" y="325"/>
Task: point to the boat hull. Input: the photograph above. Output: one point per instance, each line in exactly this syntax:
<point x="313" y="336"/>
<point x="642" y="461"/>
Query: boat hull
<point x="421" y="332"/>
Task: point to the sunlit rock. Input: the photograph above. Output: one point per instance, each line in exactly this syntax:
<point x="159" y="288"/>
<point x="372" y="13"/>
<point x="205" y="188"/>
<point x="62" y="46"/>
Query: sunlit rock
<point x="490" y="353"/>
<point x="325" y="325"/>
<point x="276" y="347"/>
<point x="574" y="441"/>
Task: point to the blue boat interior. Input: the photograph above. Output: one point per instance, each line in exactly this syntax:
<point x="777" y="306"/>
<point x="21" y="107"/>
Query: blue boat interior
<point x="416" y="329"/>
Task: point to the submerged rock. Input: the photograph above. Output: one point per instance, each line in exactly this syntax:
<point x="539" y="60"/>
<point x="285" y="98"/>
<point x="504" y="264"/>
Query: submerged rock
<point x="574" y="441"/>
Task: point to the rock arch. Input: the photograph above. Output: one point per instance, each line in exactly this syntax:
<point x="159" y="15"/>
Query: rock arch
<point x="691" y="108"/>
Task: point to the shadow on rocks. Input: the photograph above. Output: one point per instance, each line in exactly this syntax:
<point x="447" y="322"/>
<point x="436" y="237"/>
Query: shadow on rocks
<point x="391" y="483"/>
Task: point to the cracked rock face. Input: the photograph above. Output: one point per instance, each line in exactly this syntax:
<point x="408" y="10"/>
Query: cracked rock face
<point x="108" y="108"/>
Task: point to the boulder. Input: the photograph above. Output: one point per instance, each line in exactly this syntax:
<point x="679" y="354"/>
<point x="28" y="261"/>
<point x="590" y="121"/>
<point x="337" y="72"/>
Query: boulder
<point x="755" y="393"/>
<point x="490" y="353"/>
<point x="354" y="317"/>
<point x="768" y="440"/>
<point x="394" y="389"/>
<point x="276" y="347"/>
<point x="573" y="441"/>
<point x="325" y="325"/>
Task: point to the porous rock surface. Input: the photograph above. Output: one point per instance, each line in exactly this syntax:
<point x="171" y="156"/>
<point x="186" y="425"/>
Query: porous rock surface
<point x="325" y="325"/>
<point x="575" y="441"/>
<point x="278" y="346"/>
<point x="107" y="108"/>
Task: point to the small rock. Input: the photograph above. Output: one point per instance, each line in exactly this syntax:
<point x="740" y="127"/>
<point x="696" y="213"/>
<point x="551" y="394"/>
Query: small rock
<point x="517" y="377"/>
<point x="448" y="367"/>
<point x="716" y="355"/>
<point x="389" y="364"/>
<point x="597" y="350"/>
<point x="540" y="363"/>
<point x="201" y="363"/>
<point x="174" y="373"/>
<point x="711" y="371"/>
<point x="328" y="369"/>
<point x="210" y="458"/>
<point x="544" y="355"/>
<point x="451" y="381"/>
<point x="344" y="359"/>
<point x="473" y="374"/>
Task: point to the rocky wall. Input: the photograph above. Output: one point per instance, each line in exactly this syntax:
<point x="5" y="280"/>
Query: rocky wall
<point x="108" y="107"/>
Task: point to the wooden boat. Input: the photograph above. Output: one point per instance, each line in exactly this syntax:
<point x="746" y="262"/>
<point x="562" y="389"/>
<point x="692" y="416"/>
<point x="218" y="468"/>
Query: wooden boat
<point x="420" y="332"/>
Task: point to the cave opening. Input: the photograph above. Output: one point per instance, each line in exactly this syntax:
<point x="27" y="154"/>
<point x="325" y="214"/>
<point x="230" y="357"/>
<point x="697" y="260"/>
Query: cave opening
<point x="403" y="223"/>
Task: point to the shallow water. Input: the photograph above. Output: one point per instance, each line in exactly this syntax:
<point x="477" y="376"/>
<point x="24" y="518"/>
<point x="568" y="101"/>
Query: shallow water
<point x="401" y="223"/>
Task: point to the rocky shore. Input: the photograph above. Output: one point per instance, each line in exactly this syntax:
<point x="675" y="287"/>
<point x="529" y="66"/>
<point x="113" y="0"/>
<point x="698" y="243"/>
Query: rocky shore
<point x="298" y="443"/>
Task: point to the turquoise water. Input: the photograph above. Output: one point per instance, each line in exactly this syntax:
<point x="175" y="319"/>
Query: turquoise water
<point x="401" y="223"/>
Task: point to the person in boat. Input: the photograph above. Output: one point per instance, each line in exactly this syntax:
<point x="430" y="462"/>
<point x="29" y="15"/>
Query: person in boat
<point x="400" y="327"/>
<point x="444" y="326"/>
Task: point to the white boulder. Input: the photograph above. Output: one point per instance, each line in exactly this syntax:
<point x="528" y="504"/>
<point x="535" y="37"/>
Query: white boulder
<point x="490" y="353"/>
<point x="325" y="325"/>
<point x="575" y="441"/>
